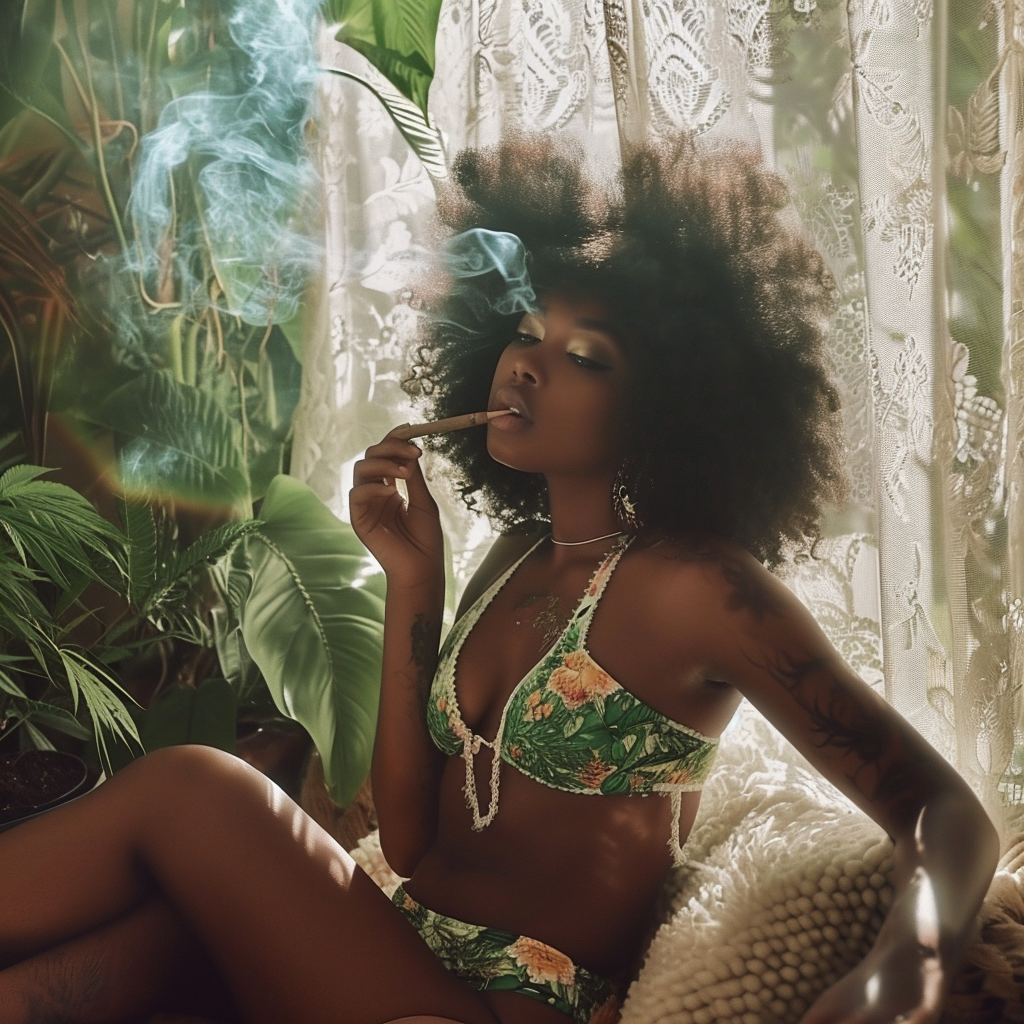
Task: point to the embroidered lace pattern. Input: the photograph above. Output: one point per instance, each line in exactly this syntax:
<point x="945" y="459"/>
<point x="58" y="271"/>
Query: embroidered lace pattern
<point x="919" y="582"/>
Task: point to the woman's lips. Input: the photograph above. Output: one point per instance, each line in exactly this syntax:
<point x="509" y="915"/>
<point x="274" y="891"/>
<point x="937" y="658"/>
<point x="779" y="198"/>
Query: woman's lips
<point x="513" y="423"/>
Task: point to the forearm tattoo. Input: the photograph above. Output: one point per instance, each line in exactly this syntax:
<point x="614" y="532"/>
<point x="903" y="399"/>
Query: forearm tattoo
<point x="885" y="771"/>
<point x="423" y="643"/>
<point x="881" y="764"/>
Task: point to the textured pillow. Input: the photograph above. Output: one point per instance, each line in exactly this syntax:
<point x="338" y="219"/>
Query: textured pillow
<point x="784" y="891"/>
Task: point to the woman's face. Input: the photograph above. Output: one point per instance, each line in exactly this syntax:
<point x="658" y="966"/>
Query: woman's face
<point x="565" y="372"/>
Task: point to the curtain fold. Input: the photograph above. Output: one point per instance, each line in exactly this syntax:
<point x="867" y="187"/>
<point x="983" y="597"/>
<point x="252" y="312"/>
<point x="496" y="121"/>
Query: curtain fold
<point x="900" y="128"/>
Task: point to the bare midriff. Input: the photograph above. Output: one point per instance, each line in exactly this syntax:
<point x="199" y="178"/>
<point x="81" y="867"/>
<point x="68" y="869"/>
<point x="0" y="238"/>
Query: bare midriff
<point x="580" y="873"/>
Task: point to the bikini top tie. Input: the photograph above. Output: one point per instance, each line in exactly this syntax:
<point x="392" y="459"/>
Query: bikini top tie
<point x="568" y="724"/>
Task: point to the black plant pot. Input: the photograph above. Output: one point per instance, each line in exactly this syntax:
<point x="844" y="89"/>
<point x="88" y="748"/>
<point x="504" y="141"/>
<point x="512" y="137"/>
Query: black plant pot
<point x="33" y="781"/>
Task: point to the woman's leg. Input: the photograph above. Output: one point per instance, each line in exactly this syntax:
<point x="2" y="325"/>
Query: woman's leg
<point x="145" y="961"/>
<point x="297" y="932"/>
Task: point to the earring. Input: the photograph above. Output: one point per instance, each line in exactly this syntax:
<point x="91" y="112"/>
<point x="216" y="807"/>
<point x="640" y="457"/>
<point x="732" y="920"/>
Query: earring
<point x="622" y="502"/>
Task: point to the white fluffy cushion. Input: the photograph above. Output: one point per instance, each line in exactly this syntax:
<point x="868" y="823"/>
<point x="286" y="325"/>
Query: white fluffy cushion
<point x="784" y="890"/>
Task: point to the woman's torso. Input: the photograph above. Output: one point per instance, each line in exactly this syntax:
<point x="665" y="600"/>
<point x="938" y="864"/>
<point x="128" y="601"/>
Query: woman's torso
<point x="580" y="872"/>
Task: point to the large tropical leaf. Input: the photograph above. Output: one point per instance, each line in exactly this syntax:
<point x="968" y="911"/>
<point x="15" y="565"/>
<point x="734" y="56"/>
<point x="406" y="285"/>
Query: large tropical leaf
<point x="180" y="442"/>
<point x="415" y="127"/>
<point x="396" y="36"/>
<point x="314" y="628"/>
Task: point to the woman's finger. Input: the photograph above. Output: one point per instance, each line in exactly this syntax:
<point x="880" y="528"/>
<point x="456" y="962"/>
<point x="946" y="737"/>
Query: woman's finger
<point x="393" y="448"/>
<point x="377" y="469"/>
<point x="419" y="492"/>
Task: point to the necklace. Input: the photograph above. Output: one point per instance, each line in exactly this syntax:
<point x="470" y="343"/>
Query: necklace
<point x="576" y="543"/>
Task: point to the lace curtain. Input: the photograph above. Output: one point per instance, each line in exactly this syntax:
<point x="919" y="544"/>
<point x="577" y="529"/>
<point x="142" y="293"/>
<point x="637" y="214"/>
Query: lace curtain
<point x="900" y="127"/>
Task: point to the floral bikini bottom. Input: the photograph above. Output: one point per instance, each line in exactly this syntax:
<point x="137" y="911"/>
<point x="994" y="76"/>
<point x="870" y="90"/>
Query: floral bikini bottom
<point x="494" y="960"/>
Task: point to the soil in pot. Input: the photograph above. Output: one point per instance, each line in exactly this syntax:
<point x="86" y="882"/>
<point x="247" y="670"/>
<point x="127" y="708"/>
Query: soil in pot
<point x="33" y="780"/>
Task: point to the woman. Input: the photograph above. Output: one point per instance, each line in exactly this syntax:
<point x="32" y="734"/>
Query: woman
<point x="672" y="430"/>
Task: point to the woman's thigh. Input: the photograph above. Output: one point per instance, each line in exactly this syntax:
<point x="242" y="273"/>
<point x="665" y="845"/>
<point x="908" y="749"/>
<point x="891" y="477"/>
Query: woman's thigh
<point x="300" y="933"/>
<point x="297" y="930"/>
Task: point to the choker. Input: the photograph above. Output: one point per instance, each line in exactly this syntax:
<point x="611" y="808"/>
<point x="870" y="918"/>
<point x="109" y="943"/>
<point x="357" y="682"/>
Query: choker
<point x="576" y="543"/>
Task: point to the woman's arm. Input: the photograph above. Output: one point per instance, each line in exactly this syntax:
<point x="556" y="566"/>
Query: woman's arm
<point x="407" y="767"/>
<point x="764" y="641"/>
<point x="407" y="541"/>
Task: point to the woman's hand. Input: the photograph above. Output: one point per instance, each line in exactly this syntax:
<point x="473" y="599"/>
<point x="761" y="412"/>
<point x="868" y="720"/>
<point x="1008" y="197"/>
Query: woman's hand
<point x="896" y="981"/>
<point x="405" y="538"/>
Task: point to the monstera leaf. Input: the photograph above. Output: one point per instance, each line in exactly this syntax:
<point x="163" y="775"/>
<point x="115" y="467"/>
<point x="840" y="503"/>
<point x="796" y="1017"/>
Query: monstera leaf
<point x="311" y="617"/>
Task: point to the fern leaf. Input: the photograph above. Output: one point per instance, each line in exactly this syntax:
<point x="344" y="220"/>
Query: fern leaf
<point x="99" y="691"/>
<point x="140" y="530"/>
<point x="18" y="475"/>
<point x="55" y="527"/>
<point x="983" y="121"/>
<point x="211" y="545"/>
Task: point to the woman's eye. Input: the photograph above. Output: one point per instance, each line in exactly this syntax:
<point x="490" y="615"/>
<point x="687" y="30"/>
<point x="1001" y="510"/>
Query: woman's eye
<point x="588" y="363"/>
<point x="528" y="339"/>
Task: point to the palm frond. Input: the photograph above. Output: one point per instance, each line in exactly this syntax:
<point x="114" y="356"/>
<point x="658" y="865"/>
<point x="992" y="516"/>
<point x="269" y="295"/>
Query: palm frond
<point x="210" y="546"/>
<point x="99" y="691"/>
<point x="55" y="527"/>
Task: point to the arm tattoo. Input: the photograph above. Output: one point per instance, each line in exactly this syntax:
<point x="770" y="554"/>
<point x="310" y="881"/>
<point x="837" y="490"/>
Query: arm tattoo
<point x="888" y="772"/>
<point x="748" y="591"/>
<point x="423" y="640"/>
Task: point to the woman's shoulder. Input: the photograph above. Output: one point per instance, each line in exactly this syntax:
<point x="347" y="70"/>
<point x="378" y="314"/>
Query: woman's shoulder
<point x="506" y="549"/>
<point x="704" y="576"/>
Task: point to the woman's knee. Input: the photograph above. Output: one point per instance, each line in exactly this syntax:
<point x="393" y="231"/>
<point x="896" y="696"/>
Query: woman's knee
<point x="185" y="771"/>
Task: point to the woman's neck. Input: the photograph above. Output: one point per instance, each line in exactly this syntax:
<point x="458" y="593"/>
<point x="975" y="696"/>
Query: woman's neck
<point x="581" y="509"/>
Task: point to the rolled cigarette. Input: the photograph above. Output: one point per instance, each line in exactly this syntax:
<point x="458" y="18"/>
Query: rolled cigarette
<point x="407" y="431"/>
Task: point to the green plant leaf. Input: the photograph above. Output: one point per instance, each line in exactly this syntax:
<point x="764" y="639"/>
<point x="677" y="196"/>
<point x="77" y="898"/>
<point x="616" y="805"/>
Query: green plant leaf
<point x="42" y="713"/>
<point x="241" y="672"/>
<point x="55" y="526"/>
<point x="204" y="714"/>
<point x="214" y="544"/>
<point x="99" y="690"/>
<point x="314" y="629"/>
<point x="38" y="739"/>
<point x="28" y="40"/>
<point x="10" y="687"/>
<point x="294" y="331"/>
<point x="179" y="442"/>
<point x="415" y="127"/>
<point x="396" y="36"/>
<point x="140" y="529"/>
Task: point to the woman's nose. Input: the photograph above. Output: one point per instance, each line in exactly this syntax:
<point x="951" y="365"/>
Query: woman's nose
<point x="526" y="365"/>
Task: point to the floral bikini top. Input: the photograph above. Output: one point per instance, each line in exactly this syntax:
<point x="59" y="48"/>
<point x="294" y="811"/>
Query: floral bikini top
<point x="568" y="724"/>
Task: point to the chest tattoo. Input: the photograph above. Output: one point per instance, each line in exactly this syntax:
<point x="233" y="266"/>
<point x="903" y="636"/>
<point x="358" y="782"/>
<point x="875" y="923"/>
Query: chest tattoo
<point x="547" y="618"/>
